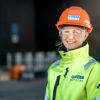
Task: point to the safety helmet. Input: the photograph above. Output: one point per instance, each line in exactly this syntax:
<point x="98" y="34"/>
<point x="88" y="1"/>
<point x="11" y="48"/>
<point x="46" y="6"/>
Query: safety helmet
<point x="75" y="16"/>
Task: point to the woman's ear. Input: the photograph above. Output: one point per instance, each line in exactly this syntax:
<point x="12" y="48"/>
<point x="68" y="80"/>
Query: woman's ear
<point x="60" y="32"/>
<point x="86" y="35"/>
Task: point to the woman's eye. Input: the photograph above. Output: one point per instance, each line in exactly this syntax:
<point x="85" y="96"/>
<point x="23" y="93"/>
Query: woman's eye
<point x="76" y="33"/>
<point x="66" y="32"/>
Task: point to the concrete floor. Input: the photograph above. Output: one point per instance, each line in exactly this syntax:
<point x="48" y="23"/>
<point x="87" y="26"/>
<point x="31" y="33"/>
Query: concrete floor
<point x="23" y="90"/>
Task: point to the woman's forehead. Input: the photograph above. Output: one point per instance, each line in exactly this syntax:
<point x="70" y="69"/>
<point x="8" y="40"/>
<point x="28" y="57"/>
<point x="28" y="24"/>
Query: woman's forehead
<point x="72" y="27"/>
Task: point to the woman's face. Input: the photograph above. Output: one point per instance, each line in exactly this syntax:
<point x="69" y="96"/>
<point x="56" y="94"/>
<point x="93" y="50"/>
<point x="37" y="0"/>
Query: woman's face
<point x="73" y="37"/>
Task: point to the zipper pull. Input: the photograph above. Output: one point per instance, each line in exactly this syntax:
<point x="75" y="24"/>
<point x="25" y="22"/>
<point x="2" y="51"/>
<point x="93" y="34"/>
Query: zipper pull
<point x="66" y="72"/>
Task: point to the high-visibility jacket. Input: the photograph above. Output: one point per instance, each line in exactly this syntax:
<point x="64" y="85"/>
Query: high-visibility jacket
<point x="76" y="76"/>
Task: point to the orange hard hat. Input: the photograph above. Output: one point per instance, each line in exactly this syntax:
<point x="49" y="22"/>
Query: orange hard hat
<point x="75" y="16"/>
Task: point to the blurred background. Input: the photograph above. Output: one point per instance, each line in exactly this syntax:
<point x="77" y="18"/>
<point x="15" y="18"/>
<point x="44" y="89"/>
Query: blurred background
<point x="28" y="38"/>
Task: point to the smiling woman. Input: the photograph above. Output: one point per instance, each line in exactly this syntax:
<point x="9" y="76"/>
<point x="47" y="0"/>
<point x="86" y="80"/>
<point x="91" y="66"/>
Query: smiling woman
<point x="76" y="76"/>
<point x="72" y="37"/>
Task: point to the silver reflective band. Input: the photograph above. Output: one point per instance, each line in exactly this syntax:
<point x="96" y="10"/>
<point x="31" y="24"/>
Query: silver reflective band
<point x="71" y="17"/>
<point x="46" y="96"/>
<point x="89" y="63"/>
<point x="98" y="98"/>
<point x="56" y="63"/>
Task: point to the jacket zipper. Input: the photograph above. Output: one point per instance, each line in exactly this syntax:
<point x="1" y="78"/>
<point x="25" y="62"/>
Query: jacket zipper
<point x="55" y="87"/>
<point x="57" y="83"/>
<point x="66" y="72"/>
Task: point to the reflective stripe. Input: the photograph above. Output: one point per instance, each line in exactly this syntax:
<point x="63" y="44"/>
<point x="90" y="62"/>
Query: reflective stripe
<point x="46" y="96"/>
<point x="89" y="63"/>
<point x="98" y="98"/>
<point x="56" y="63"/>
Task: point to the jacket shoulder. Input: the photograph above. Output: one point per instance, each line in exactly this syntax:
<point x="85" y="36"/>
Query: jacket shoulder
<point x="91" y="64"/>
<point x="54" y="64"/>
<point x="95" y="69"/>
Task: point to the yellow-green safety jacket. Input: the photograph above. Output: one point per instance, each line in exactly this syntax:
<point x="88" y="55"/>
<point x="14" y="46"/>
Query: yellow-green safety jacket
<point x="76" y="76"/>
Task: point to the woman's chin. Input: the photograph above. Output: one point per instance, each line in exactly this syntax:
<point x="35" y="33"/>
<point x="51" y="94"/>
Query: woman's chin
<point x="70" y="48"/>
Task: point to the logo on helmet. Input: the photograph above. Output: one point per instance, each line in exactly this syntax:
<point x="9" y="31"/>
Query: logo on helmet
<point x="71" y="17"/>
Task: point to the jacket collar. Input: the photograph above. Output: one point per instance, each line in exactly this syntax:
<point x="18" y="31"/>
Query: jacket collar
<point x="74" y="55"/>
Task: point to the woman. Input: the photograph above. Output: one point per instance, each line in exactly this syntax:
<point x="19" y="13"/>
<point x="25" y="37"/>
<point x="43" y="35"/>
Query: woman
<point x="76" y="76"/>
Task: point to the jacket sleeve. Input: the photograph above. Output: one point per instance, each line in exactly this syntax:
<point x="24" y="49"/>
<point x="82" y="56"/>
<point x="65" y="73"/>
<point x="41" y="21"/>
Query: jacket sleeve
<point x="93" y="83"/>
<point x="47" y="93"/>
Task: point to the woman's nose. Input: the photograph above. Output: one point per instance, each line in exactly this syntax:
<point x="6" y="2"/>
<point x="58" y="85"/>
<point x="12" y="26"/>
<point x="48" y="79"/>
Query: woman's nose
<point x="70" y="35"/>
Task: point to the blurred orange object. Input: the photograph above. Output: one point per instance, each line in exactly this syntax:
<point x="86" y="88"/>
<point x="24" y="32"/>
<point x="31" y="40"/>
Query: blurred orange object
<point x="16" y="71"/>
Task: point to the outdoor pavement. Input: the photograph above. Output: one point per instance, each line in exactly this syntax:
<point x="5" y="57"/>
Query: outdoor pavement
<point x="23" y="90"/>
